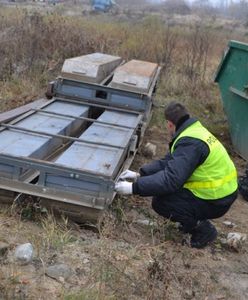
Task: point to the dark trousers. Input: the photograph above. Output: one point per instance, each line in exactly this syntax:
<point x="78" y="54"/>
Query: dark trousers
<point x="185" y="208"/>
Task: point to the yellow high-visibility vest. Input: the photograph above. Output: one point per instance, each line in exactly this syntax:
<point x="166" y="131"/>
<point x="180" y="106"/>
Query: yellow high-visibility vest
<point x="216" y="177"/>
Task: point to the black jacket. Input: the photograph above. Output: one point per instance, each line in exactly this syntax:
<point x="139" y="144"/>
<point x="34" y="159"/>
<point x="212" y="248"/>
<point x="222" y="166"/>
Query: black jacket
<point x="169" y="174"/>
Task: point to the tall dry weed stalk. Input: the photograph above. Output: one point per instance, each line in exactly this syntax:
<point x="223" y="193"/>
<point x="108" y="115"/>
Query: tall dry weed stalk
<point x="197" y="48"/>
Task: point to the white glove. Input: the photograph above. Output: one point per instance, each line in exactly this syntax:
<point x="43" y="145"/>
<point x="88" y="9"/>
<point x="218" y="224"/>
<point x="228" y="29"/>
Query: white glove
<point x="128" y="174"/>
<point x="124" y="187"/>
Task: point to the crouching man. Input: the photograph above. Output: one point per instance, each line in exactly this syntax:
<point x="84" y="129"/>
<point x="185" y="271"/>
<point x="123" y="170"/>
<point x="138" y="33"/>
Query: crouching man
<point x="196" y="181"/>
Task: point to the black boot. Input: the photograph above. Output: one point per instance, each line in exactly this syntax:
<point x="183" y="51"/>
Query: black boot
<point x="203" y="234"/>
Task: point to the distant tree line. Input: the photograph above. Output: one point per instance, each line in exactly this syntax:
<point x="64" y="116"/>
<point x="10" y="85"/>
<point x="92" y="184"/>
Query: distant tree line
<point x="230" y="8"/>
<point x="235" y="9"/>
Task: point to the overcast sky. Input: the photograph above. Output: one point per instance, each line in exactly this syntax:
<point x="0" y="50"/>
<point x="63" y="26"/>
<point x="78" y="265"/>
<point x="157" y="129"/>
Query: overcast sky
<point x="190" y="1"/>
<point x="214" y="1"/>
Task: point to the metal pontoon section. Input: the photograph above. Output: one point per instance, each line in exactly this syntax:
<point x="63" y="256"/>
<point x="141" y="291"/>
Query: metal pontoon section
<point x="103" y="160"/>
<point x="34" y="136"/>
<point x="76" y="145"/>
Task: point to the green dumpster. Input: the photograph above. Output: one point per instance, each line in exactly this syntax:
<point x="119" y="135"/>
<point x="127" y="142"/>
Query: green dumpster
<point x="232" y="78"/>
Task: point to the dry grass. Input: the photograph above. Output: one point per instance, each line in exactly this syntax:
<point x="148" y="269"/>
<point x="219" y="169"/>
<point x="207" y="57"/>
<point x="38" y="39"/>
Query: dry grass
<point x="125" y="267"/>
<point x="126" y="261"/>
<point x="33" y="47"/>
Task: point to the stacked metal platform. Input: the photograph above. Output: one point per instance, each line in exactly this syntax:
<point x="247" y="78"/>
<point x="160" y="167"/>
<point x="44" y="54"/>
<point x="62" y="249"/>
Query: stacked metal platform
<point x="70" y="151"/>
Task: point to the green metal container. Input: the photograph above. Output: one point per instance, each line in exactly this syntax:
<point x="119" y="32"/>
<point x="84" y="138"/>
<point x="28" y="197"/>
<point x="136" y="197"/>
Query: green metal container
<point x="232" y="78"/>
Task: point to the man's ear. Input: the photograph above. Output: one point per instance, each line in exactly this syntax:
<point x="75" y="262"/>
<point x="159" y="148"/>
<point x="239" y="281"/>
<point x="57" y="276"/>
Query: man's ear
<point x="170" y="124"/>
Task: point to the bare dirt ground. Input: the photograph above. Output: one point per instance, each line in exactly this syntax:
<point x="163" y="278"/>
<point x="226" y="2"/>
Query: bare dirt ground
<point x="123" y="258"/>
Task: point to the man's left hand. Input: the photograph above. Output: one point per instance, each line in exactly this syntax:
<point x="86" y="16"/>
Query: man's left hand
<point x="124" y="187"/>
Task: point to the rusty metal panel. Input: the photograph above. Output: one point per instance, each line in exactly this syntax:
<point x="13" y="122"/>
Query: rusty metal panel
<point x="135" y="76"/>
<point x="90" y="68"/>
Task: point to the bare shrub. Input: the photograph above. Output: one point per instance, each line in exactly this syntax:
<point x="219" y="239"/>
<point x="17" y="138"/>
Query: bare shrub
<point x="32" y="40"/>
<point x="177" y="7"/>
<point x="196" y="50"/>
<point x="152" y="40"/>
<point x="168" y="47"/>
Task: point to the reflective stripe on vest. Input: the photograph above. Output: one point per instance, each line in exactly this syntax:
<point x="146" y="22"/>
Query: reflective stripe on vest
<point x="216" y="177"/>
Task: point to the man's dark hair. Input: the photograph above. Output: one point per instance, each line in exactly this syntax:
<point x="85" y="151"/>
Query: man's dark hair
<point x="175" y="111"/>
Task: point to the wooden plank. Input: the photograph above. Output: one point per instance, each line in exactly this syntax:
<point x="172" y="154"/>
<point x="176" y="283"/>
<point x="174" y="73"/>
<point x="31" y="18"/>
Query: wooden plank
<point x="11" y="114"/>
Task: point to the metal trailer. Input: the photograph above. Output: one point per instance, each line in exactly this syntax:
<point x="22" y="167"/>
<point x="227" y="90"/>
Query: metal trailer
<point x="69" y="151"/>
